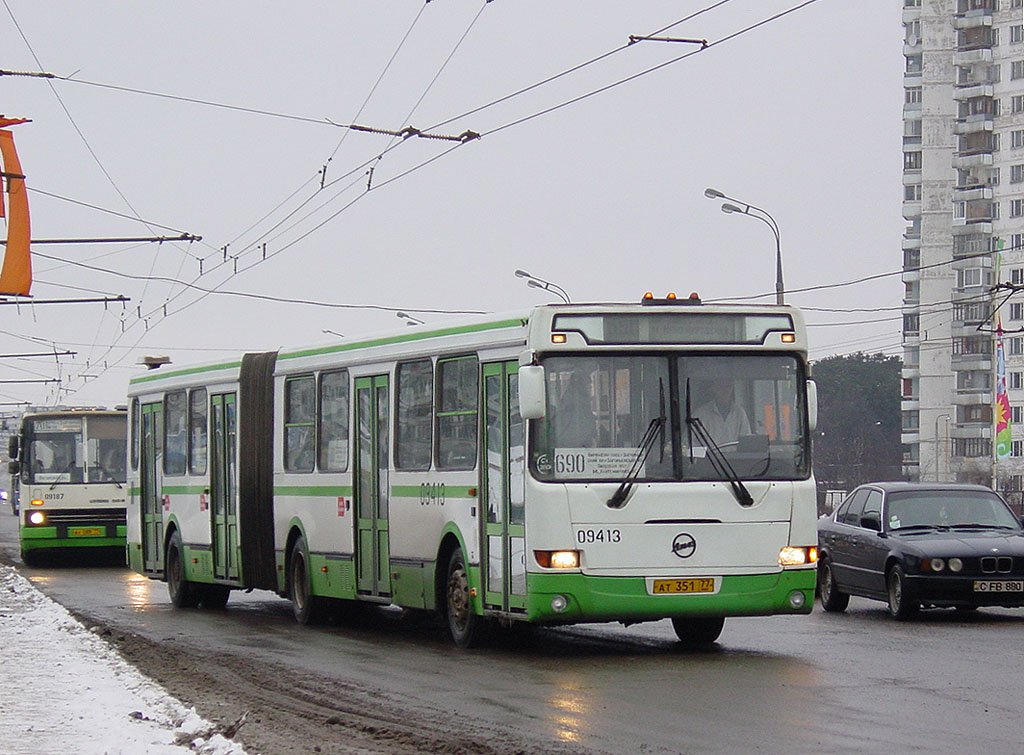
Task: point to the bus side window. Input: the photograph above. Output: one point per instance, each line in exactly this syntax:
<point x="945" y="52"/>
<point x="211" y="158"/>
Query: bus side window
<point x="456" y="407"/>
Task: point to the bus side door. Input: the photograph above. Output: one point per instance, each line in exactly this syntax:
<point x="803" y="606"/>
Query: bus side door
<point x="223" y="487"/>
<point x="502" y="483"/>
<point x="151" y="487"/>
<point x="372" y="489"/>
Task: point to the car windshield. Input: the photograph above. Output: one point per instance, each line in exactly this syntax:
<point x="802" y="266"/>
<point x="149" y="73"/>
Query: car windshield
<point x="602" y="409"/>
<point x="947" y="508"/>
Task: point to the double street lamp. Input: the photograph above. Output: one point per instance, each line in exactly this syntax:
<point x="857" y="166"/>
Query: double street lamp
<point x="534" y="282"/>
<point x="731" y="205"/>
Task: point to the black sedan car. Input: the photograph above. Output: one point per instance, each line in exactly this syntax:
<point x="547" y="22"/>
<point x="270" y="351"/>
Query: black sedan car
<point x="919" y="545"/>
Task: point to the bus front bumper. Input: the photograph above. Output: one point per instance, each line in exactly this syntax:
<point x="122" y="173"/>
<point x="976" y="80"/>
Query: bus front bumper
<point x="34" y="537"/>
<point x="587" y="598"/>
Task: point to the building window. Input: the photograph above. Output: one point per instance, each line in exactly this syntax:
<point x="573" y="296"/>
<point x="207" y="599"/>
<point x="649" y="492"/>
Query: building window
<point x="1017" y="242"/>
<point x="973" y="276"/>
<point x="414" y="423"/>
<point x="974" y="414"/>
<point x="911" y="324"/>
<point x="914" y="64"/>
<point x="912" y="95"/>
<point x="1016" y="346"/>
<point x="974" y="312"/>
<point x="1017" y="448"/>
<point x="972" y="447"/>
<point x="1017" y="69"/>
<point x="972" y="345"/>
<point x="1016" y="174"/>
<point x="970" y="381"/>
<point x="1015" y="380"/>
<point x="1016" y="138"/>
<point x="1017" y="33"/>
<point x="299" y="423"/>
<point x="1016" y="414"/>
<point x="912" y="193"/>
<point x="911" y="420"/>
<point x="1016" y="311"/>
<point x="912" y="160"/>
<point x="1016" y="208"/>
<point x="911" y="3"/>
<point x="332" y="440"/>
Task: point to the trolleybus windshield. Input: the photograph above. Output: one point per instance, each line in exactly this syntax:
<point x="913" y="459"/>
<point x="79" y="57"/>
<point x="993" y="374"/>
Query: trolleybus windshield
<point x="63" y="450"/>
<point x="599" y="409"/>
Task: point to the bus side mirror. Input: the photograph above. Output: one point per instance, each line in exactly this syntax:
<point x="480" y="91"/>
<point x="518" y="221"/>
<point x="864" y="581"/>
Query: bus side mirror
<point x="532" y="403"/>
<point x="812" y="405"/>
<point x="14" y="467"/>
<point x="12" y="447"/>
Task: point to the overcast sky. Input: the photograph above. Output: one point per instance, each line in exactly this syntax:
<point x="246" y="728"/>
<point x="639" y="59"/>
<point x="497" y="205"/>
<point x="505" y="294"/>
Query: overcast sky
<point x="604" y="196"/>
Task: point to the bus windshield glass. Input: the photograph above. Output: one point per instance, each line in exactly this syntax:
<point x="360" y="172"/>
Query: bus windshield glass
<point x="62" y="450"/>
<point x="600" y="408"/>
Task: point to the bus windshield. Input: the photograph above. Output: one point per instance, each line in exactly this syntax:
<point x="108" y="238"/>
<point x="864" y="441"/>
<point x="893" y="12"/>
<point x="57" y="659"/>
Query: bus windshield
<point x="82" y="449"/>
<point x="599" y="409"/>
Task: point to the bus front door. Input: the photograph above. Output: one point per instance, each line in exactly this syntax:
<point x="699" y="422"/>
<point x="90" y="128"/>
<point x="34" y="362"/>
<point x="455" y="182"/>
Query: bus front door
<point x="372" y="490"/>
<point x="151" y="487"/>
<point x="223" y="487"/>
<point x="503" y="550"/>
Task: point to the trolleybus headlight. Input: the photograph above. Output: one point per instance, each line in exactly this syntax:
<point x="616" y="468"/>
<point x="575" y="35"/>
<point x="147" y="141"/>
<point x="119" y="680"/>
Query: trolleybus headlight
<point x="793" y="555"/>
<point x="955" y="564"/>
<point x="36" y="517"/>
<point x="558" y="559"/>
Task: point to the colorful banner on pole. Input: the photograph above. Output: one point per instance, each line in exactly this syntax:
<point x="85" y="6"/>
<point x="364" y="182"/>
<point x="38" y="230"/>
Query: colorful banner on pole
<point x="16" y="274"/>
<point x="1003" y="437"/>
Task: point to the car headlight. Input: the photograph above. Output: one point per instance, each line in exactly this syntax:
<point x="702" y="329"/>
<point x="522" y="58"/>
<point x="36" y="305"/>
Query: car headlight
<point x="955" y="564"/>
<point x="933" y="564"/>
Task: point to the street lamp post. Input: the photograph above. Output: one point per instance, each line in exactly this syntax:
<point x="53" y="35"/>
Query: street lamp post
<point x="534" y="282"/>
<point x="732" y="205"/>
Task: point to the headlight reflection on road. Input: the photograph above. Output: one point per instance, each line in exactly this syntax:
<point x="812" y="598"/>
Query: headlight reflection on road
<point x="572" y="707"/>
<point x="137" y="588"/>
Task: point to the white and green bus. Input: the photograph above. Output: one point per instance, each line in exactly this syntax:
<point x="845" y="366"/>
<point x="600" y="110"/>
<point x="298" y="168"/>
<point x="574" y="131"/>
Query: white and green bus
<point x="574" y="463"/>
<point x="68" y="479"/>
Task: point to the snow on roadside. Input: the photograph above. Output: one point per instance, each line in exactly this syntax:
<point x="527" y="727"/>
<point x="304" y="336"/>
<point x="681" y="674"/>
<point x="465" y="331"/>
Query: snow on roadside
<point x="62" y="689"/>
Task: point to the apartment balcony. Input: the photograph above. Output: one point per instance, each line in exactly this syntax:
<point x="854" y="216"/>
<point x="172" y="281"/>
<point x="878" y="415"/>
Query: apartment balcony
<point x="911" y="210"/>
<point x="973" y="192"/>
<point x="911" y="371"/>
<point x="972" y="19"/>
<point x="910" y="404"/>
<point x="971" y="361"/>
<point x="971" y="398"/>
<point x="972" y="159"/>
<point x="972" y="124"/>
<point x="969" y="91"/>
<point x="910" y="436"/>
<point x="959" y="230"/>
<point x="911" y="242"/>
<point x="971" y="430"/>
<point x="970" y="57"/>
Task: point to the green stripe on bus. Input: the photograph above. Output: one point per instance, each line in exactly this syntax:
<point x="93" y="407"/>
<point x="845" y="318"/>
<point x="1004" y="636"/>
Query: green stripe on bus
<point x="186" y="371"/>
<point x="313" y="490"/>
<point x="450" y="491"/>
<point x="418" y="335"/>
<point x="184" y="489"/>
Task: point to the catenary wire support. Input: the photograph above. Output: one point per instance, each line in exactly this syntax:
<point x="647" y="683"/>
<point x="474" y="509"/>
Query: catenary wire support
<point x="634" y="38"/>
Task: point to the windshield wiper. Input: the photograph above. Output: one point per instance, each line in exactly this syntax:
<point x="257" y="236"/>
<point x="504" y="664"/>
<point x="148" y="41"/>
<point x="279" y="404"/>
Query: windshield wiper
<point x="919" y="527"/>
<point x="110" y="475"/>
<point x="655" y="430"/>
<point x="714" y="454"/>
<point x="975" y="526"/>
<point x="62" y="473"/>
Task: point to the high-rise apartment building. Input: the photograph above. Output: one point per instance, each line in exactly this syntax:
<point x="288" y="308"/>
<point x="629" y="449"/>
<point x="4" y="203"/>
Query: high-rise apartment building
<point x="963" y="199"/>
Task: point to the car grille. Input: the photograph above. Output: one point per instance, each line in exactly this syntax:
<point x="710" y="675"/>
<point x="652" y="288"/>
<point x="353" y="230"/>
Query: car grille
<point x="996" y="565"/>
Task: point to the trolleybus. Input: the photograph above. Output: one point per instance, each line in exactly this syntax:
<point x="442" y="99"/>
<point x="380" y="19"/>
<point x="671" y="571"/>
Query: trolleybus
<point x="573" y="463"/>
<point x="68" y="479"/>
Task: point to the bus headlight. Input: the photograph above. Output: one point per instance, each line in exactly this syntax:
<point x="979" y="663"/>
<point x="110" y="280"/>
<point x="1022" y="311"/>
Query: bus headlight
<point x="36" y="517"/>
<point x="558" y="559"/>
<point x="798" y="555"/>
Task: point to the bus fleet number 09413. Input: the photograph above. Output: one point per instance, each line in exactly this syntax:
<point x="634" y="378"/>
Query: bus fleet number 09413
<point x="600" y="535"/>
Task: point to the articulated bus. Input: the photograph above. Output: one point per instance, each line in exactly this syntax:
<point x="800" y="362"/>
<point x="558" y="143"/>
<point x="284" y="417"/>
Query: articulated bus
<point x="68" y="479"/>
<point x="574" y="463"/>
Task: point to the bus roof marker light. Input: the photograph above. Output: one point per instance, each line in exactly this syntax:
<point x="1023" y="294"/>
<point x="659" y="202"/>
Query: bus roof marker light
<point x="789" y="337"/>
<point x="558" y="338"/>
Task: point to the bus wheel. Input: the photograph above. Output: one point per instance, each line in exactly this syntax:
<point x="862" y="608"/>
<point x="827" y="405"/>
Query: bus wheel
<point x="214" y="597"/>
<point x="184" y="594"/>
<point x="307" y="608"/>
<point x="465" y="626"/>
<point x="697" y="631"/>
<point x="30" y="558"/>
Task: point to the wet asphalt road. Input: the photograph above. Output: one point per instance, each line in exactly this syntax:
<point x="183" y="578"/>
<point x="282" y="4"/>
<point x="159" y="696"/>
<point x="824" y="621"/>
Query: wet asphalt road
<point x="857" y="682"/>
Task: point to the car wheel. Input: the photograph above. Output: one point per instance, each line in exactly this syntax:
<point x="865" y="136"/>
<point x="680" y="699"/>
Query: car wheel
<point x="183" y="594"/>
<point x="466" y="627"/>
<point x="832" y="600"/>
<point x="901" y="600"/>
<point x="698" y="631"/>
<point x="306" y="607"/>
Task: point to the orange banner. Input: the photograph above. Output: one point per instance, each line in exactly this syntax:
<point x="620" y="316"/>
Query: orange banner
<point x="16" y="274"/>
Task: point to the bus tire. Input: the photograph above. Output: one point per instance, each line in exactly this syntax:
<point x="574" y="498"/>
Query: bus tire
<point x="695" y="631"/>
<point x="183" y="594"/>
<point x="466" y="627"/>
<point x="214" y="597"/>
<point x="306" y="607"/>
<point x="30" y="558"/>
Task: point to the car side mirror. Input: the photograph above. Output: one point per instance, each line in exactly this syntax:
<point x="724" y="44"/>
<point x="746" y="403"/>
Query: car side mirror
<point x="871" y="522"/>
